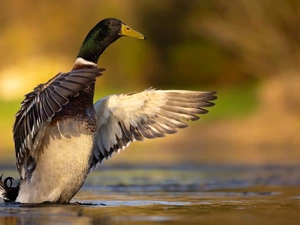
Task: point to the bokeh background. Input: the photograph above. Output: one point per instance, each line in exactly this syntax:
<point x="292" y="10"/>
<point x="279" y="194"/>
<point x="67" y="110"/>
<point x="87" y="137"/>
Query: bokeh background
<point x="248" y="51"/>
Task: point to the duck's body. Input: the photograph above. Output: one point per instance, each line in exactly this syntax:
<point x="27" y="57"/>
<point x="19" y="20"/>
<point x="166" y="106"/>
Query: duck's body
<point x="60" y="134"/>
<point x="65" y="152"/>
<point x="54" y="180"/>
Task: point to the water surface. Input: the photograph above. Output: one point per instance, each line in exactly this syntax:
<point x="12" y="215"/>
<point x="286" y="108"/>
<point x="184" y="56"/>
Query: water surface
<point x="174" y="195"/>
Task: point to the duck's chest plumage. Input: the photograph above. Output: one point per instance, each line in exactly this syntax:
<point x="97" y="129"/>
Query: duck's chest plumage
<point x="65" y="154"/>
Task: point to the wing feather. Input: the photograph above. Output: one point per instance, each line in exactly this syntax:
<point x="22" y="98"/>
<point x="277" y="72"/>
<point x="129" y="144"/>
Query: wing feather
<point x="122" y="119"/>
<point x="39" y="107"/>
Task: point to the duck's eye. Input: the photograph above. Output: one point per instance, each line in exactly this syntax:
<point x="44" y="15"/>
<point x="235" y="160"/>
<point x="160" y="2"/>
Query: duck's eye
<point x="127" y="28"/>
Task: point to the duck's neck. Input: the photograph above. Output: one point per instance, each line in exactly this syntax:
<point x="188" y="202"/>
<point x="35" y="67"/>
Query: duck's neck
<point x="95" y="43"/>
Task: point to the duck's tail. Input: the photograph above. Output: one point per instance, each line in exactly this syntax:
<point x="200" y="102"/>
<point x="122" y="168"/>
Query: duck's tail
<point x="7" y="192"/>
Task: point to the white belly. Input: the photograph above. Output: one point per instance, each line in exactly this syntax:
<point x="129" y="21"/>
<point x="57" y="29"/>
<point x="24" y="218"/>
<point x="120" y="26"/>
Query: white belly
<point x="61" y="167"/>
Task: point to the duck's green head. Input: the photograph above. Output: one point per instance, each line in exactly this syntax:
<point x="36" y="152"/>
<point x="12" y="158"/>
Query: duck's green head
<point x="102" y="35"/>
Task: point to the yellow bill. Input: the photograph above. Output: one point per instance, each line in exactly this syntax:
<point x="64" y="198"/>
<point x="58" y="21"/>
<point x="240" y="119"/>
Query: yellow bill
<point x="129" y="32"/>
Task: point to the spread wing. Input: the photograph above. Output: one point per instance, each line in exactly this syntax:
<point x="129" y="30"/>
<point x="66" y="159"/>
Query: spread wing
<point x="122" y="119"/>
<point x="39" y="107"/>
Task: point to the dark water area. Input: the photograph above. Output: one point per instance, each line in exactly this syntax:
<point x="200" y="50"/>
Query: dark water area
<point x="173" y="195"/>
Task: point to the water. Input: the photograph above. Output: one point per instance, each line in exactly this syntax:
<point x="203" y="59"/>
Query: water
<point x="193" y="195"/>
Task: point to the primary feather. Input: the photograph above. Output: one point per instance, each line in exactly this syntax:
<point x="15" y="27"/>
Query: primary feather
<point x="125" y="118"/>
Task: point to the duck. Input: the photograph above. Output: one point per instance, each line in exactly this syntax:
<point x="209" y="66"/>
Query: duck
<point x="60" y="135"/>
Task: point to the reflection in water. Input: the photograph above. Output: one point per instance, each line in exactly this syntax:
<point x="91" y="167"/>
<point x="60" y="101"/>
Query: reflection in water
<point x="173" y="196"/>
<point x="14" y="214"/>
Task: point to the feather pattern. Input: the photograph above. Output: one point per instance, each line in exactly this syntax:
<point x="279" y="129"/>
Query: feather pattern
<point x="38" y="109"/>
<point x="3" y="188"/>
<point x="7" y="192"/>
<point x="122" y="119"/>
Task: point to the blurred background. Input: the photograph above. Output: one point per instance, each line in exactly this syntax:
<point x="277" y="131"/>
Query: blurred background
<point x="248" y="51"/>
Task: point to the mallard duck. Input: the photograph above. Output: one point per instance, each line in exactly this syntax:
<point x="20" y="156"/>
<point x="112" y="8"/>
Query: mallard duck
<point x="60" y="135"/>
